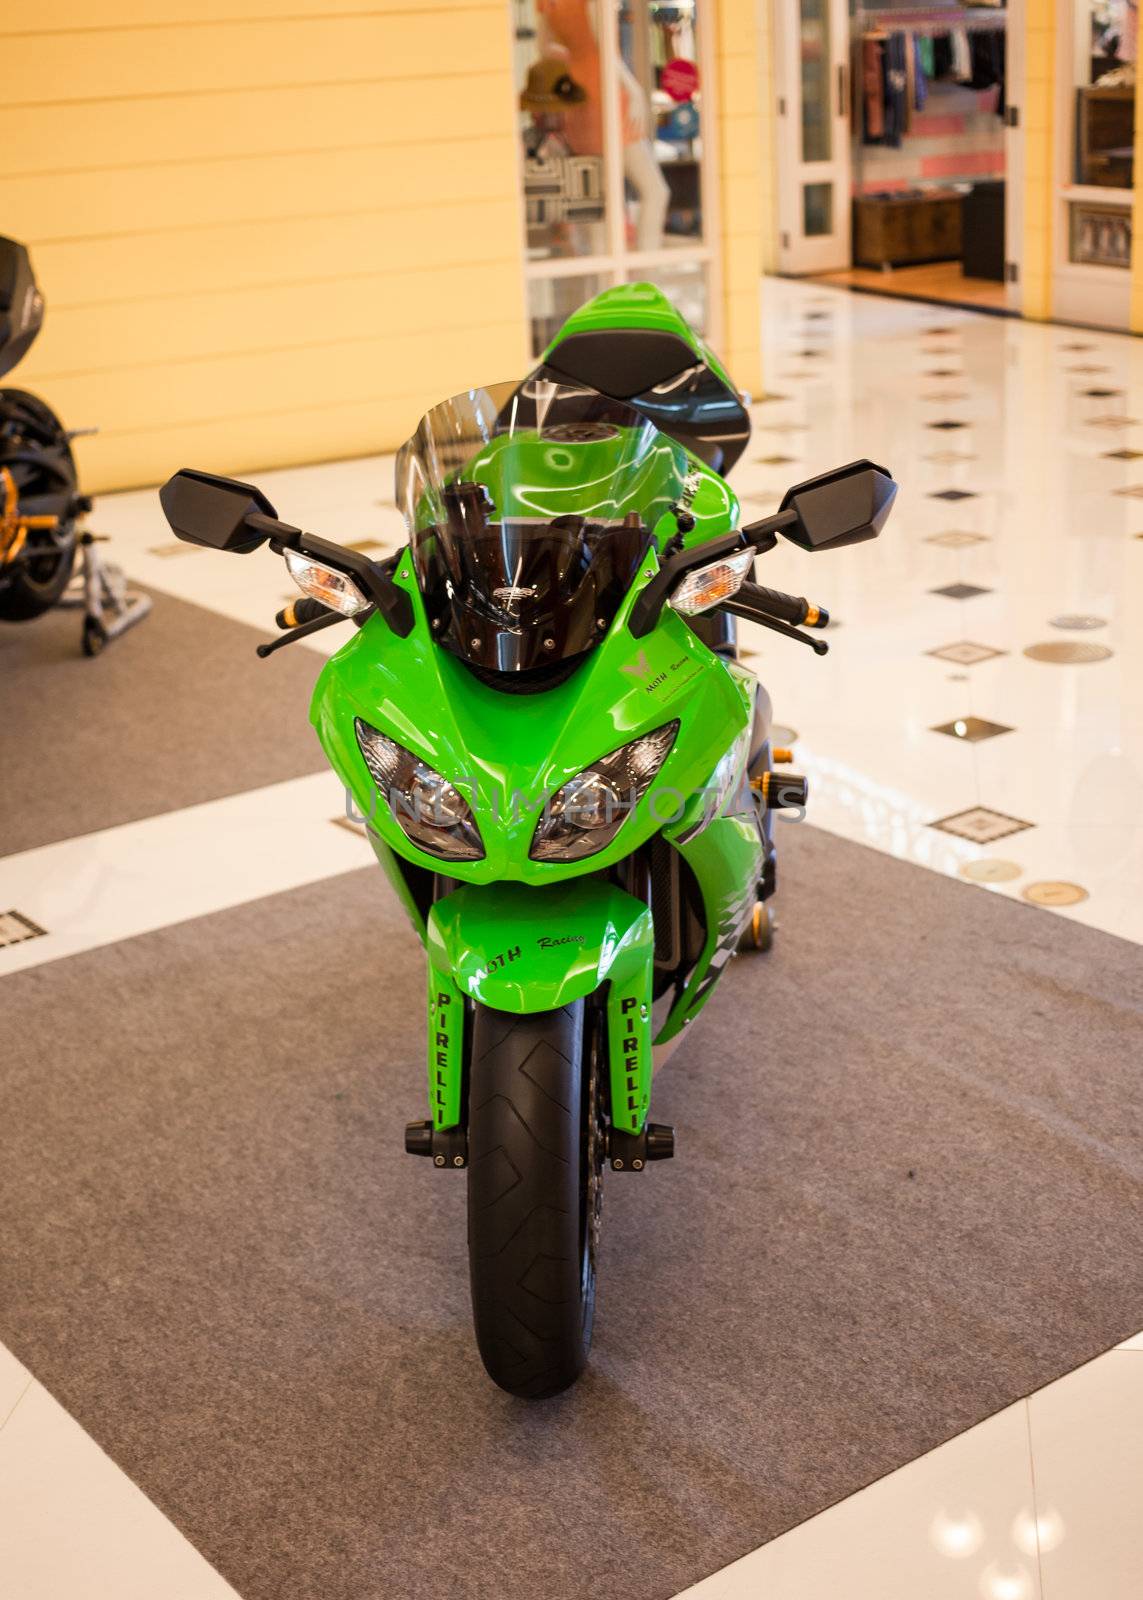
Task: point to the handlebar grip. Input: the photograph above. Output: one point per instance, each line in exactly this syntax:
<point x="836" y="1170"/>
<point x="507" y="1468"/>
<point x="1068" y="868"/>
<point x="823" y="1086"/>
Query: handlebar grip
<point x="786" y="607"/>
<point x="300" y="611"/>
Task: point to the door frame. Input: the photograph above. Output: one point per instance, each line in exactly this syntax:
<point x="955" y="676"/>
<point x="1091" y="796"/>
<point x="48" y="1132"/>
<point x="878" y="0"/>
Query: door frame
<point x="798" y="253"/>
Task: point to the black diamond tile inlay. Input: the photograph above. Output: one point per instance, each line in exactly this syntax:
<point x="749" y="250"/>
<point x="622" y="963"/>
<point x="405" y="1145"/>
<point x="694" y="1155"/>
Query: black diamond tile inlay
<point x="1077" y="347"/>
<point x="972" y="729"/>
<point x="1101" y="394"/>
<point x="965" y="653"/>
<point x="946" y="424"/>
<point x="15" y="927"/>
<point x="953" y="494"/>
<point x="944" y="372"/>
<point x="769" y="399"/>
<point x="980" y="824"/>
<point x="773" y="461"/>
<point x="961" y="591"/>
<point x="1122" y="455"/>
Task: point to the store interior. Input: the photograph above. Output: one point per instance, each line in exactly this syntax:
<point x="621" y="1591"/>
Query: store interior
<point x="921" y="98"/>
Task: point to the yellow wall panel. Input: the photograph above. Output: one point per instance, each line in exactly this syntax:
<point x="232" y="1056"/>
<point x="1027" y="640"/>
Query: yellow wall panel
<point x="265" y="238"/>
<point x="64" y="16"/>
<point x="238" y="388"/>
<point x="185" y="261"/>
<point x="740" y="144"/>
<point x="74" y="204"/>
<point x="138" y="334"/>
<point x="77" y="137"/>
<point x="97" y="64"/>
<point x="270" y="439"/>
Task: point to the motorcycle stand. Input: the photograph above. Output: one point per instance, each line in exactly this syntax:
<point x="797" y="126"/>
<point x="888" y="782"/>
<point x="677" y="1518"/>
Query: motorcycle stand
<point x="110" y="608"/>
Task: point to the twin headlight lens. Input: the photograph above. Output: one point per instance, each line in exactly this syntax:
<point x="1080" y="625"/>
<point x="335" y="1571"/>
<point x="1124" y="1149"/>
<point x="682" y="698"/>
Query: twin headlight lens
<point x="584" y="816"/>
<point x="580" y="819"/>
<point x="433" y="813"/>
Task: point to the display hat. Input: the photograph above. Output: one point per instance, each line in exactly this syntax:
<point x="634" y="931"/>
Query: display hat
<point x="550" y="85"/>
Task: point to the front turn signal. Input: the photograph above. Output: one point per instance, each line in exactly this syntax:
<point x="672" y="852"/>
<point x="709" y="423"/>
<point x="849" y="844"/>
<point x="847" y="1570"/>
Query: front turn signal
<point x="711" y="585"/>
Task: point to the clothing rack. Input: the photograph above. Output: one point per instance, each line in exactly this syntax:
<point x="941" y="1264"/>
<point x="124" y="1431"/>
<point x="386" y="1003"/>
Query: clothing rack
<point x="931" y="19"/>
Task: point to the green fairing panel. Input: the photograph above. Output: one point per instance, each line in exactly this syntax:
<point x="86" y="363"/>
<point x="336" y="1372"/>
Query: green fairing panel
<point x="727" y="861"/>
<point x="522" y="949"/>
<point x="508" y="754"/>
<point x="637" y="305"/>
<point x="391" y="866"/>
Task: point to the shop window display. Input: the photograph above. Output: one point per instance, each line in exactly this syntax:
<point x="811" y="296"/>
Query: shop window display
<point x="1105" y="55"/>
<point x="615" y="185"/>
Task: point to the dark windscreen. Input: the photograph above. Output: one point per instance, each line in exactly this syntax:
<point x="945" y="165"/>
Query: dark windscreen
<point x="529" y="508"/>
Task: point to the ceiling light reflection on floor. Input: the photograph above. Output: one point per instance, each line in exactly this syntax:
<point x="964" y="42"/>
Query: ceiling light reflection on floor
<point x="1001" y="1582"/>
<point x="956" y="1535"/>
<point x="1040" y="1533"/>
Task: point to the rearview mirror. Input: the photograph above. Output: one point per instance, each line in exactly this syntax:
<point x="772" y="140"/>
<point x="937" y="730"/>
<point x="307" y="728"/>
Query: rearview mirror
<point x="216" y="512"/>
<point x="841" y="507"/>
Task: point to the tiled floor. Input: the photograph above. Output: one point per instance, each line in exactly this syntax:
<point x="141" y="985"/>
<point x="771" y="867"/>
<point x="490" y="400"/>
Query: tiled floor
<point x="936" y="617"/>
<point x="1040" y="1502"/>
<point x="929" y="732"/>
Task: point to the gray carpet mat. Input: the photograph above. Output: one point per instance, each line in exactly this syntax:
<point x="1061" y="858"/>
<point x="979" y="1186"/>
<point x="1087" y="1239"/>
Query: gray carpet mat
<point x="174" y="712"/>
<point x="907" y="1192"/>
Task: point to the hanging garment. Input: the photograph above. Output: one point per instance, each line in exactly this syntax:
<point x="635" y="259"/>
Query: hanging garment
<point x="910" y="80"/>
<point x="872" y="97"/>
<point x="895" y="85"/>
<point x="920" y="80"/>
<point x="985" y="58"/>
<point x="926" y="53"/>
<point x="962" y="55"/>
<point x="942" y="55"/>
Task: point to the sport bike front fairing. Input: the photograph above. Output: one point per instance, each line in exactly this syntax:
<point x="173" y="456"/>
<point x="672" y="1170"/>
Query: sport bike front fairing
<point x="564" y="771"/>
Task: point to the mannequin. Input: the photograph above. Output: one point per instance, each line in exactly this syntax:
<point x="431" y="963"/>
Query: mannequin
<point x="568" y="25"/>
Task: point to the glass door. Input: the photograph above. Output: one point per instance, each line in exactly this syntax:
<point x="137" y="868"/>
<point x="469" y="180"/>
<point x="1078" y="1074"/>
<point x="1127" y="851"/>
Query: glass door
<point x="618" y="141"/>
<point x="812" y="82"/>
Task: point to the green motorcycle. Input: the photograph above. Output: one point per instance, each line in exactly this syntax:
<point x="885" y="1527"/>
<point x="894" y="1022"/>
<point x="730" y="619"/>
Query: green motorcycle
<point x="566" y="774"/>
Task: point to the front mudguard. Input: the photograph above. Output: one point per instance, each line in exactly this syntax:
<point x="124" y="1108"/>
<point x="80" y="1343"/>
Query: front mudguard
<point x="523" y="949"/>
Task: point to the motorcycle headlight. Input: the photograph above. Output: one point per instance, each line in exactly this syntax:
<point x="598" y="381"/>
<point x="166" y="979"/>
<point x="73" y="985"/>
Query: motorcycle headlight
<point x="584" y="816"/>
<point x="435" y="815"/>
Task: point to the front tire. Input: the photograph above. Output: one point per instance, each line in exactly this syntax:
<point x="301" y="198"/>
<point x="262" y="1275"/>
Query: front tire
<point x="535" y="1169"/>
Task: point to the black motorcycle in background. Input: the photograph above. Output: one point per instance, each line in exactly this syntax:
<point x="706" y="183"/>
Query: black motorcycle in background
<point x="40" y="503"/>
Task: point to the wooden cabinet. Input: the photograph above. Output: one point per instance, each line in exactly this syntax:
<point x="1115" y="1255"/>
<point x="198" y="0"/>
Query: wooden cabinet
<point x="902" y="230"/>
<point x="1105" y="135"/>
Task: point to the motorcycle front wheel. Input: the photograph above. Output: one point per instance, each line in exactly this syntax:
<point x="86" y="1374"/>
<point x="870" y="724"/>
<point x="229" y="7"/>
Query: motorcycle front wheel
<point x="535" y="1140"/>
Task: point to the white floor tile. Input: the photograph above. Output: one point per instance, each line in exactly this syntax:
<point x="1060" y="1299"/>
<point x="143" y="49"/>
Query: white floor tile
<point x="1134" y="1343"/>
<point x="958" y="1524"/>
<point x="101" y="887"/>
<point x="73" y="1527"/>
<point x="1087" y="1452"/>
